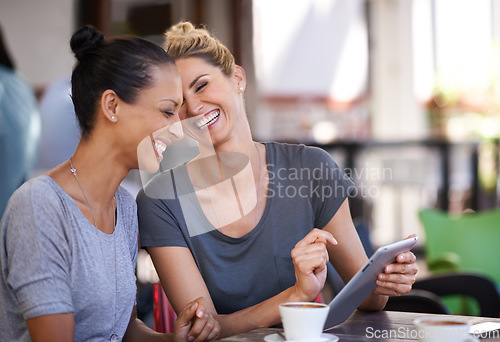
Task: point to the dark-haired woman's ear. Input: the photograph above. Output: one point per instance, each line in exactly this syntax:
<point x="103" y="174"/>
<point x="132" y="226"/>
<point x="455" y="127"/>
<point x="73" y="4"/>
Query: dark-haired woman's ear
<point x="109" y="103"/>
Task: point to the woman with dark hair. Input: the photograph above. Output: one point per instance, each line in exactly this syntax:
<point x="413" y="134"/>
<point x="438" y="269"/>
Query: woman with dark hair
<point x="70" y="235"/>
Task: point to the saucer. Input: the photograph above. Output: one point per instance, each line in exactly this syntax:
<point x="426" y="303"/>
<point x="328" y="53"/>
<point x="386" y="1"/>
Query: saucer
<point x="323" y="338"/>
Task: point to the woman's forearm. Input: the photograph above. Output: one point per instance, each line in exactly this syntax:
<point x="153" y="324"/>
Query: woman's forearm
<point x="374" y="302"/>
<point x="138" y="331"/>
<point x="262" y="315"/>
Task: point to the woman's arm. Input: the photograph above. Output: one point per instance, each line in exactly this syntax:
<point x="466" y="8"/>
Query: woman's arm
<point x="349" y="256"/>
<point x="183" y="283"/>
<point x="192" y="324"/>
<point x="52" y="328"/>
<point x="137" y="331"/>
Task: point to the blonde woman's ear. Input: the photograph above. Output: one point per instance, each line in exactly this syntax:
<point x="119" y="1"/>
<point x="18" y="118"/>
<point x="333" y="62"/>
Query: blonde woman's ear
<point x="240" y="77"/>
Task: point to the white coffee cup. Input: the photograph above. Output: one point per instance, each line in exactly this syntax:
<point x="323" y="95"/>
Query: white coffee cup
<point x="303" y="321"/>
<point x="444" y="329"/>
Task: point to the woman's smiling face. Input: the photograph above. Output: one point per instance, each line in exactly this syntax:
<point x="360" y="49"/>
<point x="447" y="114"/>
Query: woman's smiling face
<point x="212" y="101"/>
<point x="156" y="118"/>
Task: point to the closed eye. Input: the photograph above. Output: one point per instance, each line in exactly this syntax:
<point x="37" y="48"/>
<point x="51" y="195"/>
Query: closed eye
<point x="168" y="113"/>
<point x="201" y="86"/>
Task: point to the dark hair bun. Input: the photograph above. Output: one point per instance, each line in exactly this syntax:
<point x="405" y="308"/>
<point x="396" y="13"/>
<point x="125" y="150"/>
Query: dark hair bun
<point x="86" y="39"/>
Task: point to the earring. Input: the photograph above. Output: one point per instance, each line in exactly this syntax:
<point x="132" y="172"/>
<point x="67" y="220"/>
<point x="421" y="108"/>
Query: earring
<point x="113" y="117"/>
<point x="241" y="88"/>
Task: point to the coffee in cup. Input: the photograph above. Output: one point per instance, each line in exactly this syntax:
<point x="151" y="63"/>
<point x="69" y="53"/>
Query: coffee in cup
<point x="303" y="320"/>
<point x="444" y="329"/>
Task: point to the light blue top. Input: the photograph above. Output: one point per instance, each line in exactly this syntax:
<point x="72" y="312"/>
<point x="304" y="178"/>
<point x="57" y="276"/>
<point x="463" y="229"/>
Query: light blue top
<point x="19" y="133"/>
<point x="54" y="260"/>
<point x="60" y="132"/>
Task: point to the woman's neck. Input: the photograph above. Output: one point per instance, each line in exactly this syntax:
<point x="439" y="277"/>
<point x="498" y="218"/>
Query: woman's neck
<point x="99" y="171"/>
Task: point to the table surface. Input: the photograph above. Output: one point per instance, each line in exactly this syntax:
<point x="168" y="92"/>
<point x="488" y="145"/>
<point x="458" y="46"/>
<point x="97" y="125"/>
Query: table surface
<point x="362" y="326"/>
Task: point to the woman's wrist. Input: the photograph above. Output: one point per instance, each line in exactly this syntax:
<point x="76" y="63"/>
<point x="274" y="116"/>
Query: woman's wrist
<point x="374" y="302"/>
<point x="297" y="295"/>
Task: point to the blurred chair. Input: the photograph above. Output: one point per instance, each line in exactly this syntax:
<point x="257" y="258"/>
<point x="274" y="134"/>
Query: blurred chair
<point x="464" y="243"/>
<point x="480" y="288"/>
<point x="417" y="301"/>
<point x="164" y="314"/>
<point x="427" y="294"/>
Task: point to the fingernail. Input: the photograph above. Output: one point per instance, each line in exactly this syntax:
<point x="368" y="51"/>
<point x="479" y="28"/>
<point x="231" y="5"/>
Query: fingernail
<point x="199" y="314"/>
<point x="190" y="338"/>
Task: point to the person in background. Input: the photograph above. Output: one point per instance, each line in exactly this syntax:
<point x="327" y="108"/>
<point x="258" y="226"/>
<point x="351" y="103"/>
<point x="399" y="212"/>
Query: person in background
<point x="19" y="127"/>
<point x="70" y="235"/>
<point x="243" y="224"/>
<point x="60" y="133"/>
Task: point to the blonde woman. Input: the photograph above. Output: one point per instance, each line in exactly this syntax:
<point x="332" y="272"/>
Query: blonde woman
<point x="251" y="224"/>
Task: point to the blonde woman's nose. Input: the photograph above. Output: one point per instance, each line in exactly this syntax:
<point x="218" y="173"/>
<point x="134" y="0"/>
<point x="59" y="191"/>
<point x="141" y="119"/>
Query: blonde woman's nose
<point x="194" y="107"/>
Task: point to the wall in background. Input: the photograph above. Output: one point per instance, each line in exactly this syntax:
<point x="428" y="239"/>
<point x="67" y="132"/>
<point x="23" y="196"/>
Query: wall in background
<point x="37" y="34"/>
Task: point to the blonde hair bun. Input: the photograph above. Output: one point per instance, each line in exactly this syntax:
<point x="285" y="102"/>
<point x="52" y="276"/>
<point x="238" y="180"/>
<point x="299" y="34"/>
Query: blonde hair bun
<point x="185" y="40"/>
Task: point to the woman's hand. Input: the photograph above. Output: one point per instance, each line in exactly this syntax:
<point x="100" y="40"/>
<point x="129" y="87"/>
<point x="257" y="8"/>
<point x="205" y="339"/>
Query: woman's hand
<point x="310" y="257"/>
<point x="398" y="277"/>
<point x="195" y="324"/>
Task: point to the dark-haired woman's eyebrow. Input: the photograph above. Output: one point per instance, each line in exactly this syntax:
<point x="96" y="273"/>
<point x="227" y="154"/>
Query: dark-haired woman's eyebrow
<point x="191" y="85"/>
<point x="171" y="100"/>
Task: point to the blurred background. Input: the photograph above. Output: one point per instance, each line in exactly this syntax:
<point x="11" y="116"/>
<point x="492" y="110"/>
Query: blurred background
<point x="405" y="94"/>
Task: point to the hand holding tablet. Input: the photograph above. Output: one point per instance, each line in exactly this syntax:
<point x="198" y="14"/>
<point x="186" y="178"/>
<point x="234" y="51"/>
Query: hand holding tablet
<point x="398" y="277"/>
<point x="364" y="281"/>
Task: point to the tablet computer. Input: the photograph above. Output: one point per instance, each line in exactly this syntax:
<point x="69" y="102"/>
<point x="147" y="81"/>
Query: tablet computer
<point x="363" y="282"/>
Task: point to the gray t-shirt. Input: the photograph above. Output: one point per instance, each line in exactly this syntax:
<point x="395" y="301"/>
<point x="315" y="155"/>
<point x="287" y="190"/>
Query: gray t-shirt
<point x="55" y="261"/>
<point x="306" y="188"/>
